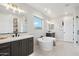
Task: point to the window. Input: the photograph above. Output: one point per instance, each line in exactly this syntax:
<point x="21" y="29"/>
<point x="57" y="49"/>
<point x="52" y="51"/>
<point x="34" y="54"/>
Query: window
<point x="37" y="22"/>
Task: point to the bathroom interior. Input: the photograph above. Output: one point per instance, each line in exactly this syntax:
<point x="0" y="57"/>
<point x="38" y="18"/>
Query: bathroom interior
<point x="39" y="29"/>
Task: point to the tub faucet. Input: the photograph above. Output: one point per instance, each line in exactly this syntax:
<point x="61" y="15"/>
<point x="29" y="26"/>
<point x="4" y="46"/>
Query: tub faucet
<point x="41" y="36"/>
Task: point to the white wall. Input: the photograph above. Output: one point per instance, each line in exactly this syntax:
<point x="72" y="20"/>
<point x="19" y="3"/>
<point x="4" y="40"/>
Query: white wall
<point x="32" y="30"/>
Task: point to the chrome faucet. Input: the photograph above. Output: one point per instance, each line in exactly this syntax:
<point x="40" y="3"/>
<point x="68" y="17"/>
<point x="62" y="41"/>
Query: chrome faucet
<point x="16" y="35"/>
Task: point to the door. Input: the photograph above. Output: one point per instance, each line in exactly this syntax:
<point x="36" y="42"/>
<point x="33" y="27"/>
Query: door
<point x="68" y="29"/>
<point x="30" y="45"/>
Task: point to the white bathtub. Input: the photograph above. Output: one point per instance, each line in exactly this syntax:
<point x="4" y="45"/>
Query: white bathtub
<point x="46" y="43"/>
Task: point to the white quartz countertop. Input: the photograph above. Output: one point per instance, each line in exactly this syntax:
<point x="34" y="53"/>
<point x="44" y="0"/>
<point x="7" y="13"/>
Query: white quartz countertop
<point x="10" y="39"/>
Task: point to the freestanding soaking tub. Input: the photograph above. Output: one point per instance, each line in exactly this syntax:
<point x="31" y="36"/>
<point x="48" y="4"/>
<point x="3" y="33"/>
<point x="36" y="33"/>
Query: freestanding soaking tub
<point x="46" y="43"/>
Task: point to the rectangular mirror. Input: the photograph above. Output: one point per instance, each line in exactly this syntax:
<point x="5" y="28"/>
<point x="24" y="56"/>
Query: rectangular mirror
<point x="6" y="25"/>
<point x="11" y="24"/>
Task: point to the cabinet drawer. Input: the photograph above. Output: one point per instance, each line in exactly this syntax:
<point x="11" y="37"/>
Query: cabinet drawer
<point x="5" y="49"/>
<point x="4" y="45"/>
<point x="5" y="52"/>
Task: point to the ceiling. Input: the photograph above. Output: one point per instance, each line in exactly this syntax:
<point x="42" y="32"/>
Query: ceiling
<point x="54" y="9"/>
<point x="49" y="9"/>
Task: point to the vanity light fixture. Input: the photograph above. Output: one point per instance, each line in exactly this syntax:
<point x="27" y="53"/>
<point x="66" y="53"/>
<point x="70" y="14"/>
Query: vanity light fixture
<point x="13" y="6"/>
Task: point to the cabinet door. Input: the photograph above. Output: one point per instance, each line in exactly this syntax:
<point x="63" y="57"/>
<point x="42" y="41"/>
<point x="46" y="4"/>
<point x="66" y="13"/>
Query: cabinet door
<point x="20" y="48"/>
<point x="24" y="47"/>
<point x="27" y="46"/>
<point x="14" y="48"/>
<point x="30" y="45"/>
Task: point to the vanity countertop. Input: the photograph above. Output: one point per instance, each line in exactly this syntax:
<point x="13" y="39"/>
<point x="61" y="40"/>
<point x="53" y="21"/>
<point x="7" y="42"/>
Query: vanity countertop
<point x="10" y="39"/>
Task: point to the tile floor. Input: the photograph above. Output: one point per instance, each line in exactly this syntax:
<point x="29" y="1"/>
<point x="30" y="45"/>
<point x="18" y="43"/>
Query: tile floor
<point x="61" y="49"/>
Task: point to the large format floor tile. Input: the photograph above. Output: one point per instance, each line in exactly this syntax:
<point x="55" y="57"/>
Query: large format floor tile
<point x="61" y="49"/>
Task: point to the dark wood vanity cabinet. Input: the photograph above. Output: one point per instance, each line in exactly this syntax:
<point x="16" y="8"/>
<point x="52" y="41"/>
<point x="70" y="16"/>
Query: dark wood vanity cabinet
<point x="22" y="47"/>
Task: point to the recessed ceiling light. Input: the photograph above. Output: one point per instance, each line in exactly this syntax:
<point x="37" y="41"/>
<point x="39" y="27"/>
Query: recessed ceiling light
<point x="49" y="11"/>
<point x="45" y="9"/>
